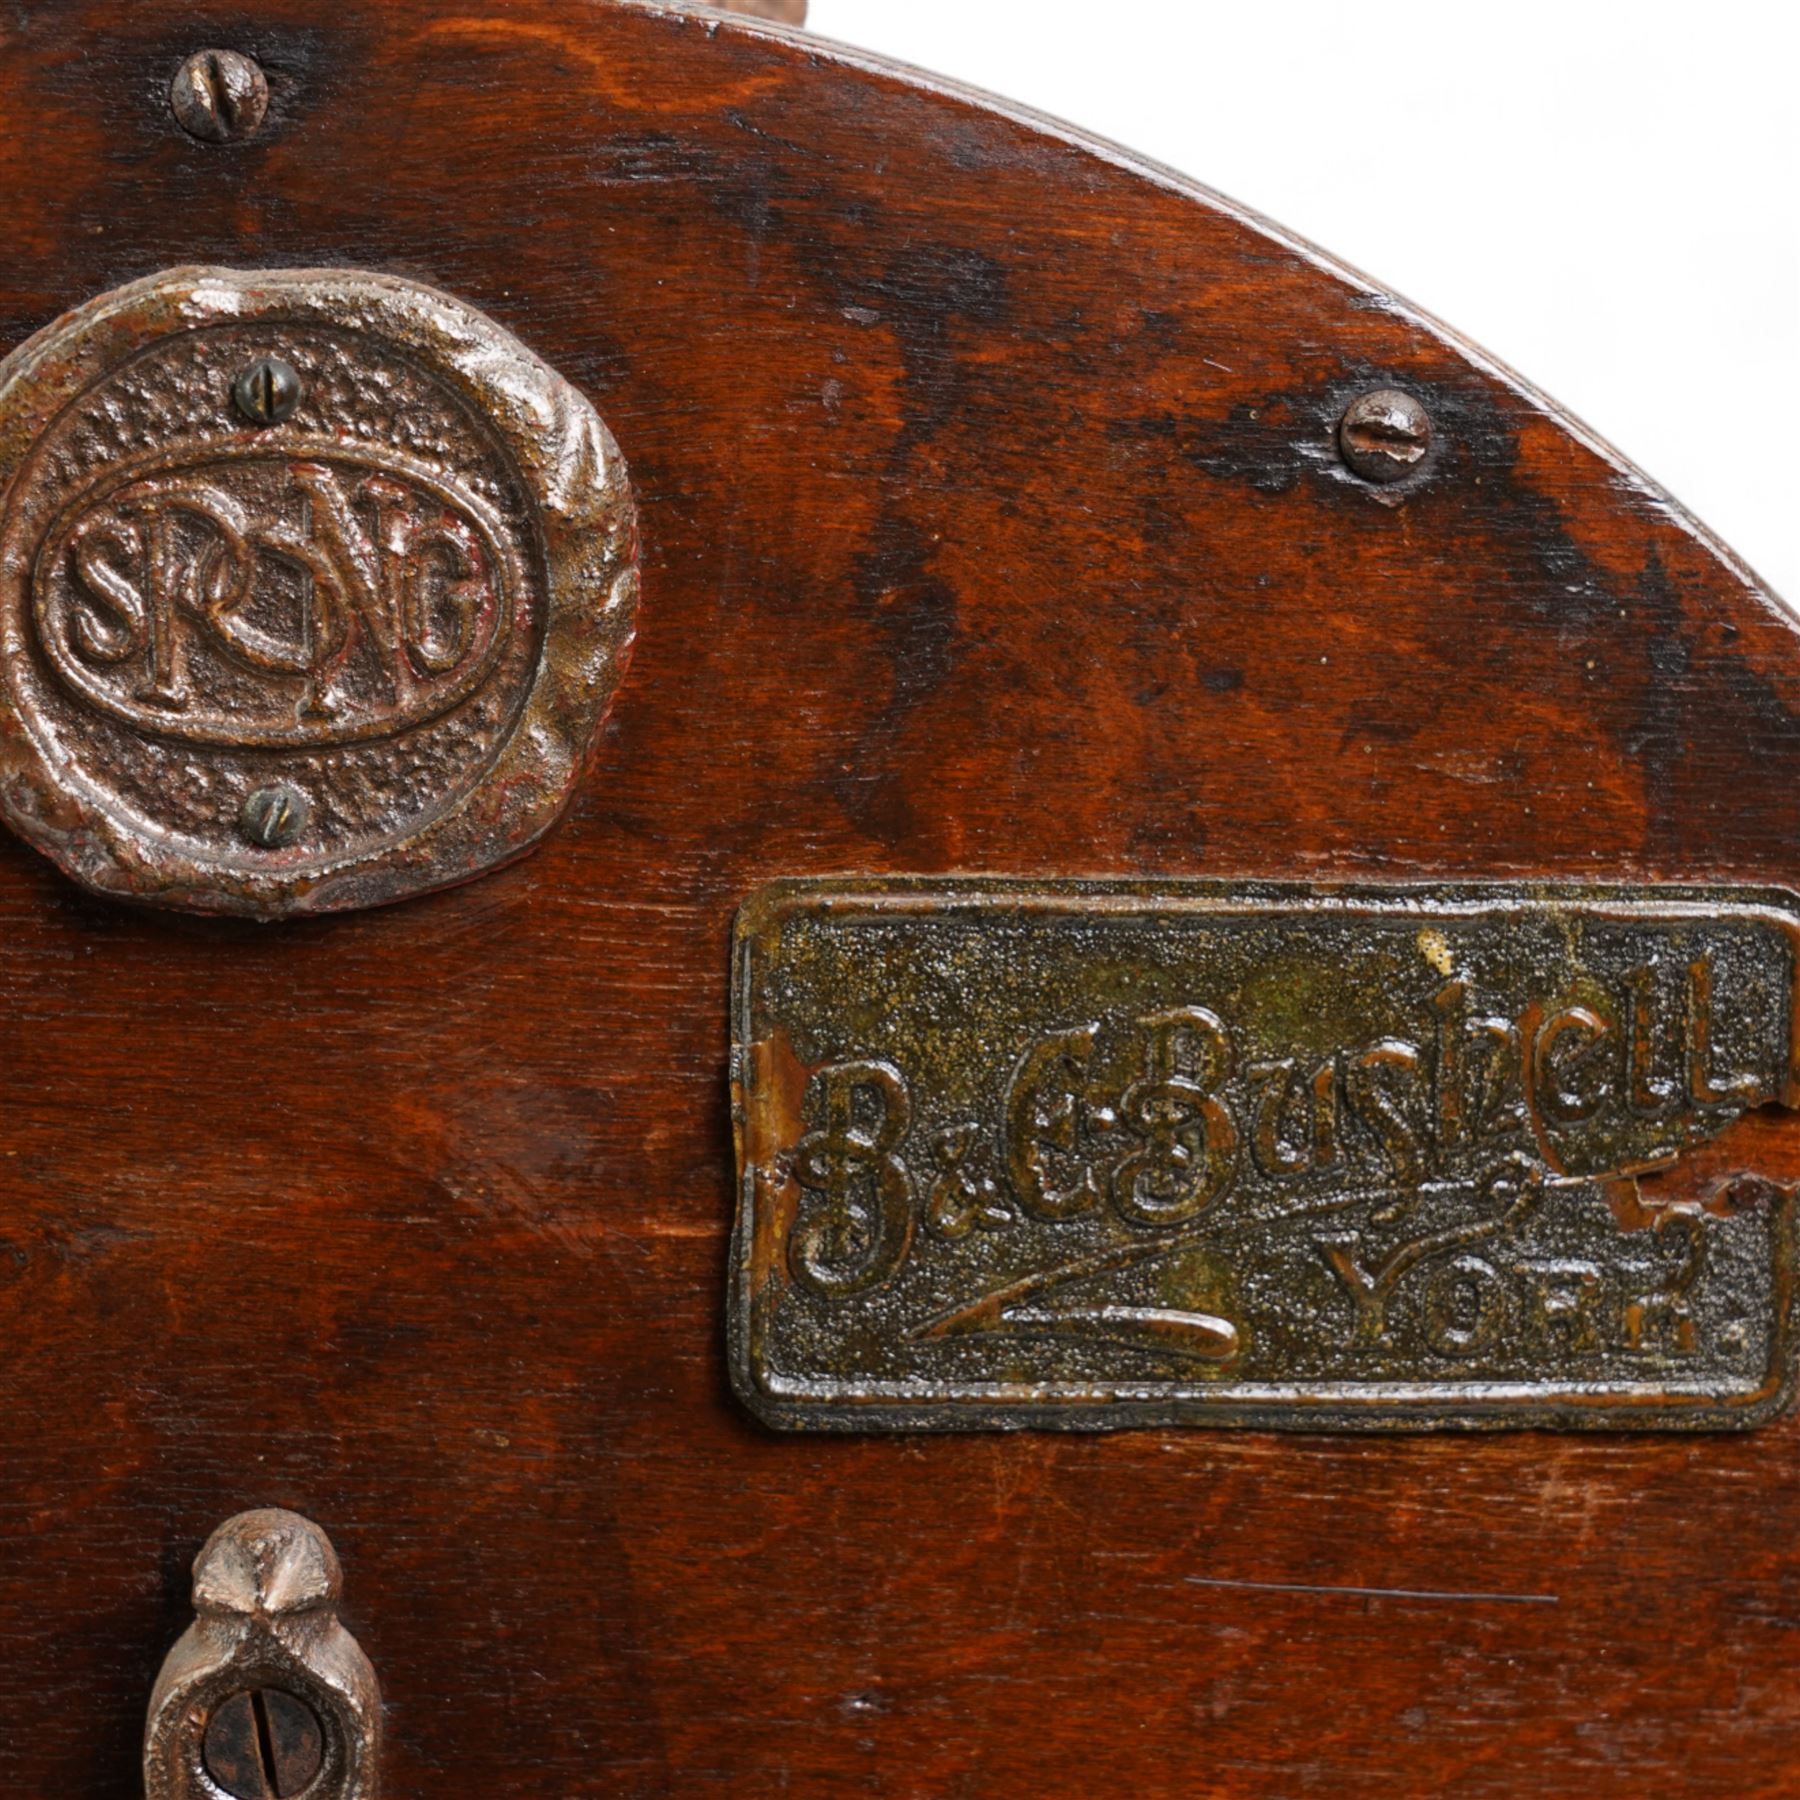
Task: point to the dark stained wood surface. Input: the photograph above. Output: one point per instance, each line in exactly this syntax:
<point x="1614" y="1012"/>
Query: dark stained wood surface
<point x="991" y="525"/>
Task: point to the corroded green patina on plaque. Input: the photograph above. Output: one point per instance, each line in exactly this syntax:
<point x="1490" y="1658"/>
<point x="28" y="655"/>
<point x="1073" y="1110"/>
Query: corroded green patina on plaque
<point x="1101" y="1153"/>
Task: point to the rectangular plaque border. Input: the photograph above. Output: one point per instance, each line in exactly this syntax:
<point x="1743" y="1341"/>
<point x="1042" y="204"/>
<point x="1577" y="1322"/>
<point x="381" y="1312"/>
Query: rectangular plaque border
<point x="848" y="1406"/>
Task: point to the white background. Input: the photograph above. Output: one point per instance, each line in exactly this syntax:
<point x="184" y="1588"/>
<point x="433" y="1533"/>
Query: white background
<point x="1601" y="193"/>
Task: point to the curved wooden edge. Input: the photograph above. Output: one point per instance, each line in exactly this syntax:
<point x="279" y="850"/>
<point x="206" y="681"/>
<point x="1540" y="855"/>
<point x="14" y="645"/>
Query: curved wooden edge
<point x="1124" y="160"/>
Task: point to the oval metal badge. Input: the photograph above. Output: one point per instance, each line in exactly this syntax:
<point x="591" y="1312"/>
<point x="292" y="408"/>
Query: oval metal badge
<point x="315" y="587"/>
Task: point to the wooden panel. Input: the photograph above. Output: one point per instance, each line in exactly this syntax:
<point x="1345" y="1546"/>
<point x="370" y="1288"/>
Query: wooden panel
<point x="991" y="525"/>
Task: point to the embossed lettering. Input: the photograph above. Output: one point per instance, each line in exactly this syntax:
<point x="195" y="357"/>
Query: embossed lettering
<point x="1305" y="1171"/>
<point x="1450" y="1004"/>
<point x="1501" y="1106"/>
<point x="1662" y="1320"/>
<point x="1050" y="1177"/>
<point x="962" y="1198"/>
<point x="1465" y="1306"/>
<point x="109" y="620"/>
<point x="1572" y="1059"/>
<point x="1562" y="1300"/>
<point x="1393" y="1060"/>
<point x="1704" y="1086"/>
<point x="1279" y="1086"/>
<point x="858" y="1232"/>
<point x="1190" y="1143"/>
<point x="1514" y="1189"/>
<point x="1648" y="1094"/>
<point x="296" y="600"/>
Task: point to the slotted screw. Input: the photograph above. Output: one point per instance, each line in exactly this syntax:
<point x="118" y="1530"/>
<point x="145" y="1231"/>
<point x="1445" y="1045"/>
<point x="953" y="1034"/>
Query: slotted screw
<point x="268" y="391"/>
<point x="219" y="96"/>
<point x="1384" y="436"/>
<point x="273" y="817"/>
<point x="263" y="1744"/>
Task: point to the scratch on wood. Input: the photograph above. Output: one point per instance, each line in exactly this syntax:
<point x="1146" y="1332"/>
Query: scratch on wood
<point x="1373" y="1593"/>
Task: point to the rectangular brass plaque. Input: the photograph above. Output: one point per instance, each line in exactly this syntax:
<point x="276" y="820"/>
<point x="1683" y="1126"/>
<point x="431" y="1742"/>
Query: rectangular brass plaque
<point x="1087" y="1153"/>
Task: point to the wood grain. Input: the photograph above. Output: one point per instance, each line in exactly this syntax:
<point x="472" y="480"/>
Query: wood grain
<point x="991" y="525"/>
